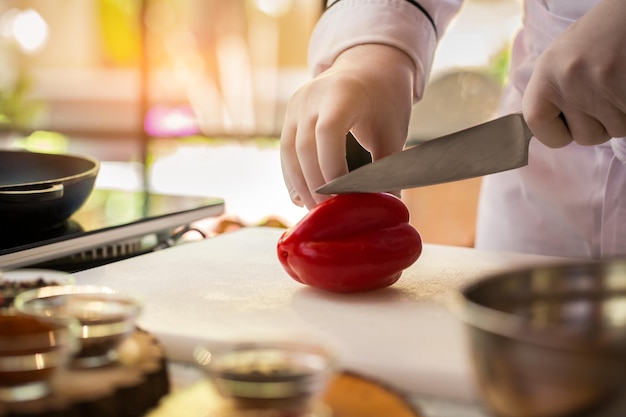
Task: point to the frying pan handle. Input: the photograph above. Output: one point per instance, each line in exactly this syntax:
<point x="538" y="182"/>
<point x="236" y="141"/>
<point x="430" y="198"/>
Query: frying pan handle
<point x="31" y="193"/>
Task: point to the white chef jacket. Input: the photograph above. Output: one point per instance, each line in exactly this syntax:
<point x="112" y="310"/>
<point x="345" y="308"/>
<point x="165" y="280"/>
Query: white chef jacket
<point x="567" y="202"/>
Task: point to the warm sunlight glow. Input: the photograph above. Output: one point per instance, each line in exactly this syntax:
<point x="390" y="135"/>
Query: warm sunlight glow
<point x="30" y="31"/>
<point x="274" y="8"/>
<point x="164" y="121"/>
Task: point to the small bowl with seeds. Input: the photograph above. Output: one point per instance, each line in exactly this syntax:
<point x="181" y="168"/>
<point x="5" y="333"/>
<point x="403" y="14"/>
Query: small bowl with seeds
<point x="267" y="375"/>
<point x="16" y="281"/>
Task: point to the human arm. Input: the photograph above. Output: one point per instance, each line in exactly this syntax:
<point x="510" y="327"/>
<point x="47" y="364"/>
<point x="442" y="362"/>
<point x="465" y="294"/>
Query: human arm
<point x="371" y="60"/>
<point x="362" y="92"/>
<point x="581" y="74"/>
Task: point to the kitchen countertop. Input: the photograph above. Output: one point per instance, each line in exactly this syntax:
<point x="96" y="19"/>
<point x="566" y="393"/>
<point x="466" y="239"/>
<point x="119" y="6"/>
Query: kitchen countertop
<point x="232" y="287"/>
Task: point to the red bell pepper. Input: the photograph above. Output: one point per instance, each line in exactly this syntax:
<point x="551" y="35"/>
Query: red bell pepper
<point x="351" y="243"/>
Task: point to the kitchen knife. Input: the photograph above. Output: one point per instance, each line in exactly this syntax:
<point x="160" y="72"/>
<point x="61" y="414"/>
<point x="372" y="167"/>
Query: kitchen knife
<point x="490" y="147"/>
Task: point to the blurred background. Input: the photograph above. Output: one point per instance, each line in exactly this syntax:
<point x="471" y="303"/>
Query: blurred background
<point x="187" y="96"/>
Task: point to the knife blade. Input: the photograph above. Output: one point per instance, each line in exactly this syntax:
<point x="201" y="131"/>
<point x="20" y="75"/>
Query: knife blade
<point x="498" y="145"/>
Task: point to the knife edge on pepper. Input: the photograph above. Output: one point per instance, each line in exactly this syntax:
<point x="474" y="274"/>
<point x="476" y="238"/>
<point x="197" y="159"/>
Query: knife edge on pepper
<point x="498" y="145"/>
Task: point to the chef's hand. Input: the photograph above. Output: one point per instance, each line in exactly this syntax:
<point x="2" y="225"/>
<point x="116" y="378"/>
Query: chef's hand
<point x="581" y="75"/>
<point x="367" y="91"/>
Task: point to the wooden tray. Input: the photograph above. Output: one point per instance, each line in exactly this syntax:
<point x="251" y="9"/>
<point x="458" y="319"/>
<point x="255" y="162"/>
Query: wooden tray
<point x="127" y="389"/>
<point x="348" y="395"/>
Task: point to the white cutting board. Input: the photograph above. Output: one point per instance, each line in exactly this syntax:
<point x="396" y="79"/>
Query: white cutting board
<point x="232" y="286"/>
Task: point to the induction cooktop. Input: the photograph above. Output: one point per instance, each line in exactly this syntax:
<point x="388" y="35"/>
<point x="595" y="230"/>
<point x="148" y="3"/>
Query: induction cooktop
<point x="112" y="224"/>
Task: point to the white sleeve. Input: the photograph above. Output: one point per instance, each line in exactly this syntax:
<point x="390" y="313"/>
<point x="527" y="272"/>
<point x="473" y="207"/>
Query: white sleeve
<point x="398" y="23"/>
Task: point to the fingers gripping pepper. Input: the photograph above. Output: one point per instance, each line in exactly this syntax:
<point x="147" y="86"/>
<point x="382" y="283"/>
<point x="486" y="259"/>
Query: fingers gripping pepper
<point x="351" y="243"/>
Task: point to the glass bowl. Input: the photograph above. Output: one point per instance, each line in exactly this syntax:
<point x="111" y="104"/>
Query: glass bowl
<point x="106" y="317"/>
<point x="269" y="375"/>
<point x="31" y="351"/>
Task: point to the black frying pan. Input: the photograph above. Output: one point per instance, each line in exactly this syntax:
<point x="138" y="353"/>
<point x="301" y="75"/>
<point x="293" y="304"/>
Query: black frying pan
<point x="40" y="191"/>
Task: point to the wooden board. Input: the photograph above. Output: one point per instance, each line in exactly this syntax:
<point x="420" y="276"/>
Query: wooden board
<point x="351" y="395"/>
<point x="347" y="395"/>
<point x="127" y="389"/>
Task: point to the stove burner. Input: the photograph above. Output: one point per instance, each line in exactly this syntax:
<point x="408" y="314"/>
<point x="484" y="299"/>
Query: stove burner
<point x="100" y="255"/>
<point x="116" y="250"/>
<point x="17" y="237"/>
<point x="111" y="226"/>
<point x="121" y="250"/>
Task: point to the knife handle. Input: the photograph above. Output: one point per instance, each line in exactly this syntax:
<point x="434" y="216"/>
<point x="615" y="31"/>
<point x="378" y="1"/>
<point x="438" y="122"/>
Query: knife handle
<point x="561" y="116"/>
<point x="356" y="155"/>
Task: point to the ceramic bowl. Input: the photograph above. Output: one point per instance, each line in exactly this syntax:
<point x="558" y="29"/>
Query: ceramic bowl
<point x="31" y="351"/>
<point x="550" y="341"/>
<point x="106" y="317"/>
<point x="283" y="375"/>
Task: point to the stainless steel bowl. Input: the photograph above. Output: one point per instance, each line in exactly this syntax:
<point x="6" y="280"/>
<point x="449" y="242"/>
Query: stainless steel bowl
<point x="550" y="341"/>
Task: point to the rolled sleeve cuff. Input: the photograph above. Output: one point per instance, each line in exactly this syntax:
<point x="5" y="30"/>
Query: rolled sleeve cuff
<point x="619" y="149"/>
<point x="396" y="23"/>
